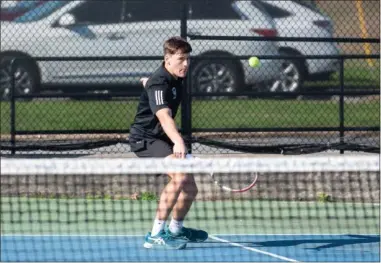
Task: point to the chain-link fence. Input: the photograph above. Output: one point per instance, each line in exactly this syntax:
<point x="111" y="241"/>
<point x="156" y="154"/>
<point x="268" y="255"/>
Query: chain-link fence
<point x="77" y="66"/>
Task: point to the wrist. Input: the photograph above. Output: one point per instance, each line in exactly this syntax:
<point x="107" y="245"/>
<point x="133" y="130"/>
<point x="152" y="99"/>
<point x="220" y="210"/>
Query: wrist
<point x="178" y="141"/>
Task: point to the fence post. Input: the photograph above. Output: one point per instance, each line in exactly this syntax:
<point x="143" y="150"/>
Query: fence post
<point x="341" y="103"/>
<point x="186" y="110"/>
<point x="13" y="108"/>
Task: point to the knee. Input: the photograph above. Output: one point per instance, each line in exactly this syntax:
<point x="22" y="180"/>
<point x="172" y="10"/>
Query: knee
<point x="191" y="188"/>
<point x="186" y="183"/>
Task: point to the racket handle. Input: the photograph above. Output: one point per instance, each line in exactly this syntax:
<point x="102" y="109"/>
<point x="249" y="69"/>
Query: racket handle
<point x="226" y="188"/>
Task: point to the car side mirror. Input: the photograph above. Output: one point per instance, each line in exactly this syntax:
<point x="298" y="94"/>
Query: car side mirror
<point x="67" y="20"/>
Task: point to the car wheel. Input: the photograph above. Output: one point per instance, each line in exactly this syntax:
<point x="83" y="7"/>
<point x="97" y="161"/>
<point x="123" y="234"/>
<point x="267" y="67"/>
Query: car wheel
<point x="292" y="77"/>
<point x="216" y="76"/>
<point x="26" y="78"/>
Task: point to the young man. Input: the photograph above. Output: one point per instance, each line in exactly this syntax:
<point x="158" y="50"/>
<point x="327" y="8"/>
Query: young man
<point x="154" y="134"/>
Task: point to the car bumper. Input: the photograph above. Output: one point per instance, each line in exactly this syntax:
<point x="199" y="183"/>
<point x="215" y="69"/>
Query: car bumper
<point x="318" y="66"/>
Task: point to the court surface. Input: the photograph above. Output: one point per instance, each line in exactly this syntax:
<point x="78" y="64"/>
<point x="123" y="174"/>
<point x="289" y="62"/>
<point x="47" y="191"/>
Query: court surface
<point x="99" y="229"/>
<point x="222" y="248"/>
<point x="107" y="230"/>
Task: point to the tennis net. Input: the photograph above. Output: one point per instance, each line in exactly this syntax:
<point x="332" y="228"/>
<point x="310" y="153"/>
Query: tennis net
<point x="99" y="209"/>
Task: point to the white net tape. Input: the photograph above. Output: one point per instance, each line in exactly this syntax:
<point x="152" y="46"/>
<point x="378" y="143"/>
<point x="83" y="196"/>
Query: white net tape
<point x="217" y="165"/>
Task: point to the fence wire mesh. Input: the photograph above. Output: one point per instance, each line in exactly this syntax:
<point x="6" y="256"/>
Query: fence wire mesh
<point x="78" y="65"/>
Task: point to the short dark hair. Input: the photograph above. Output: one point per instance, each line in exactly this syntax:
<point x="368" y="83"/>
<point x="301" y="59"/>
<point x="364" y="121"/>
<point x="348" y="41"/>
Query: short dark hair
<point x="175" y="44"/>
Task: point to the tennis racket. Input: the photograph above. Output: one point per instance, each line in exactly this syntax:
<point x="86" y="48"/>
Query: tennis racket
<point x="243" y="184"/>
<point x="234" y="183"/>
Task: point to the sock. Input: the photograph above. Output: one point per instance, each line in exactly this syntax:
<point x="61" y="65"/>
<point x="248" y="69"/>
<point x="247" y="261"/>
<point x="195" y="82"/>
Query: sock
<point x="158" y="225"/>
<point x="175" y="226"/>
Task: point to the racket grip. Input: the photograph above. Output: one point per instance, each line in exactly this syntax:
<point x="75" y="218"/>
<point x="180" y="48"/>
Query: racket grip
<point x="226" y="188"/>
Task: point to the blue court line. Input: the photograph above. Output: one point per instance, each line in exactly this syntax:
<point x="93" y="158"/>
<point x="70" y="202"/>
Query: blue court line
<point x="222" y="248"/>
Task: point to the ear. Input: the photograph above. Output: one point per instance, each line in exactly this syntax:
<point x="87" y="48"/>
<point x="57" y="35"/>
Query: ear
<point x="167" y="57"/>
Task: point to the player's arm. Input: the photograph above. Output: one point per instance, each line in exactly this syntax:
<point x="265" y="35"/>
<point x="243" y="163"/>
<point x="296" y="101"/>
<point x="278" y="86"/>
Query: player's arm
<point x="169" y="126"/>
<point x="157" y="93"/>
<point x="144" y="81"/>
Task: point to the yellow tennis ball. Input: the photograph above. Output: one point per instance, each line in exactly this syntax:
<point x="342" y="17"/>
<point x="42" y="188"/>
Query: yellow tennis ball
<point x="254" y="62"/>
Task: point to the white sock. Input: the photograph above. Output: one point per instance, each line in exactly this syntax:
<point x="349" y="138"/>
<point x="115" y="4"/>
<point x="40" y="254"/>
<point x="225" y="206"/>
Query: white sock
<point x="175" y="226"/>
<point x="158" y="225"/>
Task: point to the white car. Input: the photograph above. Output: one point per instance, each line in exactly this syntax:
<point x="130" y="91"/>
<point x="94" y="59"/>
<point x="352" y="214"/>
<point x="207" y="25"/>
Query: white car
<point x="300" y="19"/>
<point x="130" y="28"/>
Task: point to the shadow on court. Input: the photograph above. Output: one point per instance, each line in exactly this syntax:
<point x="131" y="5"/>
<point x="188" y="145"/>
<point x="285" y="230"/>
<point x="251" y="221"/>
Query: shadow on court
<point x="329" y="243"/>
<point x="234" y="248"/>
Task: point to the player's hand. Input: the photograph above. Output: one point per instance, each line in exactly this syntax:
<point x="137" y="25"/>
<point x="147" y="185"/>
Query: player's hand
<point x="179" y="150"/>
<point x="144" y="81"/>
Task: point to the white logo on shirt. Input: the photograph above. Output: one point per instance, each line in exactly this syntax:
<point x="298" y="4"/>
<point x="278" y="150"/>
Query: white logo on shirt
<point x="159" y="97"/>
<point x="174" y="92"/>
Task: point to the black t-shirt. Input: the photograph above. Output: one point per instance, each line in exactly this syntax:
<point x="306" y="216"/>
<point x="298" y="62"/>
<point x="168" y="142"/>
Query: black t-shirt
<point x="162" y="90"/>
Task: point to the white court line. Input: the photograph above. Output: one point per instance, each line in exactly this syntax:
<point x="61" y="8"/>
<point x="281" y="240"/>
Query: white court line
<point x="253" y="249"/>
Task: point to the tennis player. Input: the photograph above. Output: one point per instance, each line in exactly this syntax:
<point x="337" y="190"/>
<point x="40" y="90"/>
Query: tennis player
<point x="154" y="134"/>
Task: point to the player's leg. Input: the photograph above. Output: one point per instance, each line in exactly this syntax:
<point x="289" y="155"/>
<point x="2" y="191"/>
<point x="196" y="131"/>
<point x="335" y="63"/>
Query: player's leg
<point x="186" y="184"/>
<point x="187" y="195"/>
<point x="158" y="238"/>
<point x="180" y="193"/>
<point x="177" y="197"/>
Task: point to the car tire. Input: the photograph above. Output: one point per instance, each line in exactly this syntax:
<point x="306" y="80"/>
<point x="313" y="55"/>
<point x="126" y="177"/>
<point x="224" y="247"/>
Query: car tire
<point x="292" y="76"/>
<point x="216" y="76"/>
<point x="27" y="78"/>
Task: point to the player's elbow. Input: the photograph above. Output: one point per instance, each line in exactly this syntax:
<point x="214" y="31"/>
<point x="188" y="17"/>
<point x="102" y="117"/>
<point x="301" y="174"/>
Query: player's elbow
<point x="165" y="117"/>
<point x="164" y="114"/>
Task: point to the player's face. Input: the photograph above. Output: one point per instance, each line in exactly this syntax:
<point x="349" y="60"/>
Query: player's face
<point x="177" y="64"/>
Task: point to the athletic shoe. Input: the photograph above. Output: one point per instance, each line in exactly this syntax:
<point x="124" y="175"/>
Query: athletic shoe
<point x="190" y="235"/>
<point x="163" y="241"/>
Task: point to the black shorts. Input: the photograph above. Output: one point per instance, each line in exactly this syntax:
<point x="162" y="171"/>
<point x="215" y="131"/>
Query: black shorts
<point x="152" y="148"/>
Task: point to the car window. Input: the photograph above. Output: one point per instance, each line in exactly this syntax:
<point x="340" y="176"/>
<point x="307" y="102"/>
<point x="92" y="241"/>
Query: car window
<point x="41" y="11"/>
<point x="98" y="12"/>
<point x="159" y="10"/>
<point x="273" y="11"/>
<point x="211" y="9"/>
<point x="19" y="6"/>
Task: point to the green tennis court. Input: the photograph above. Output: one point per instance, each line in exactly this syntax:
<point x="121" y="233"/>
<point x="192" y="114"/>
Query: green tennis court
<point x="131" y="217"/>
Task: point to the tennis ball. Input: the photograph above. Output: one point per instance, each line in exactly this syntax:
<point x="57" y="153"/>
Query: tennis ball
<point x="254" y="62"/>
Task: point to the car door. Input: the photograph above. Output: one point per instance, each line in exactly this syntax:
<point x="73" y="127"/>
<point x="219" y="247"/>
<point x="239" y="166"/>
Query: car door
<point x="120" y="28"/>
<point x="94" y="33"/>
<point x="146" y="25"/>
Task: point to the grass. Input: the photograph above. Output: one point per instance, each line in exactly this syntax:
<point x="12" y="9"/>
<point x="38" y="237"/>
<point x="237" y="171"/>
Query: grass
<point x="244" y="113"/>
<point x="357" y="74"/>
<point x="144" y="196"/>
<point x="249" y="113"/>
<point x="69" y="115"/>
<point x="323" y="197"/>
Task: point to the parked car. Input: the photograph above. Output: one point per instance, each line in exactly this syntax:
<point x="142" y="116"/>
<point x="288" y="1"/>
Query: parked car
<point x="12" y="9"/>
<point x="128" y="28"/>
<point x="301" y="19"/>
